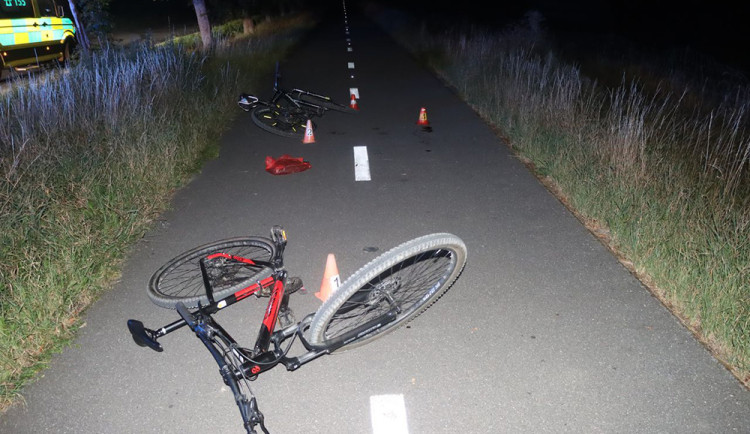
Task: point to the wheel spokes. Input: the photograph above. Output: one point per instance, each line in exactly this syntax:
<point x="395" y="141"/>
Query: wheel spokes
<point x="404" y="287"/>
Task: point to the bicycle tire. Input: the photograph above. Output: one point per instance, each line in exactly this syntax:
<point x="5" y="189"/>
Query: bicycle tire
<point x="414" y="274"/>
<point x="326" y="103"/>
<point x="280" y="122"/>
<point x="181" y="279"/>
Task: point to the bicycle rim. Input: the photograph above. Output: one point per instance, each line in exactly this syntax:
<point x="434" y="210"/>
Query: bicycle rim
<point x="279" y="122"/>
<point x="227" y="266"/>
<point x="405" y="280"/>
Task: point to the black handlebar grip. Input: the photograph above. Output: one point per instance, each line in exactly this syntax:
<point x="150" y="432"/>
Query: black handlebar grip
<point x="186" y="315"/>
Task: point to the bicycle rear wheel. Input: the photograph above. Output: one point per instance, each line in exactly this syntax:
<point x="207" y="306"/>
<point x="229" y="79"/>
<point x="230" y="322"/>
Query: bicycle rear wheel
<point x="406" y="279"/>
<point x="326" y="102"/>
<point x="229" y="265"/>
<point x="282" y="122"/>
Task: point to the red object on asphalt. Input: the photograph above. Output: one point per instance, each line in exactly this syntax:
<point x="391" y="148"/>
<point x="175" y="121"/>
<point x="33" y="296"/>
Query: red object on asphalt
<point x="285" y="165"/>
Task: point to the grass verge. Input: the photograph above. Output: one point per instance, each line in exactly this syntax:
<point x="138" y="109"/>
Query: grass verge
<point x="659" y="168"/>
<point x="89" y="157"/>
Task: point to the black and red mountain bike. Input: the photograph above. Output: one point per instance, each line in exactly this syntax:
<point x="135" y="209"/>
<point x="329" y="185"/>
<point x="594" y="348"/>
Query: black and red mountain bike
<point x="385" y="293"/>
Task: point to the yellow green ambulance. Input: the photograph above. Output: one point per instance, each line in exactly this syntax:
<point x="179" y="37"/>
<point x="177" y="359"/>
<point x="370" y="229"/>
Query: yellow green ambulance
<point x="32" y="32"/>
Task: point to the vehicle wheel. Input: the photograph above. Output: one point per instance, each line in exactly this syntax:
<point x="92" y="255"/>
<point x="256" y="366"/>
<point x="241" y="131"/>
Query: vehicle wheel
<point x="66" y="54"/>
<point x="229" y="265"/>
<point x="408" y="278"/>
<point x="64" y="60"/>
<point x="280" y="121"/>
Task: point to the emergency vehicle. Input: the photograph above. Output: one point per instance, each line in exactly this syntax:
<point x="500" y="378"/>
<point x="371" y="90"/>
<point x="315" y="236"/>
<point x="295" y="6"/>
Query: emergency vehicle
<point x="33" y="32"/>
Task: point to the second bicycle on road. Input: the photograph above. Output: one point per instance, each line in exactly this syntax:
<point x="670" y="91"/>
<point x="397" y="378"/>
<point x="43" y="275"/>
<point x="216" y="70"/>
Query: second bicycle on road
<point x="287" y="112"/>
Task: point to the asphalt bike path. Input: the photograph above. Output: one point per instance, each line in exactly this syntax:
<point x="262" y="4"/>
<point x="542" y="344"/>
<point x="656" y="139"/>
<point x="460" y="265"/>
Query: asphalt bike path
<point x="544" y="331"/>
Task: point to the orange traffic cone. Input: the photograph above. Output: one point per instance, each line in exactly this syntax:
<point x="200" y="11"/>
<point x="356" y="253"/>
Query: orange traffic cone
<point x="309" y="136"/>
<point x="423" y="121"/>
<point x="423" y="117"/>
<point x="331" y="280"/>
<point x="353" y="103"/>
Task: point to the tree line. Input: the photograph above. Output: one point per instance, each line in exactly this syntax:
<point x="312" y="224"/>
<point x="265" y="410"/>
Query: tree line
<point x="93" y="16"/>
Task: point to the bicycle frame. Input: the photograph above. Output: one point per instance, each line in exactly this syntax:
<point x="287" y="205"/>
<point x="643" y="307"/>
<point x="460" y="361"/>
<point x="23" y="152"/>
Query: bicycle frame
<point x="267" y="335"/>
<point x="293" y="97"/>
<point x="308" y="108"/>
<point x="262" y="352"/>
<point x="237" y="364"/>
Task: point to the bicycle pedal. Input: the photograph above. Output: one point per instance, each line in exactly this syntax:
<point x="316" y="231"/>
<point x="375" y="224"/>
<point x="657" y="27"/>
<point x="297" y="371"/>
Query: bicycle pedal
<point x="293" y="284"/>
<point x="286" y="318"/>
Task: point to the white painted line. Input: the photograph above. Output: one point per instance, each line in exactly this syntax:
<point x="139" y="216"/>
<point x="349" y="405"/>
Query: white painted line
<point x="361" y="164"/>
<point x="350" y="65"/>
<point x="388" y="414"/>
<point x="354" y="91"/>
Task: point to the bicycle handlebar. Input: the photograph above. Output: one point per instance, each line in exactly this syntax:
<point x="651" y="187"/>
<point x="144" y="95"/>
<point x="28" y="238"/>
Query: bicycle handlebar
<point x="186" y="315"/>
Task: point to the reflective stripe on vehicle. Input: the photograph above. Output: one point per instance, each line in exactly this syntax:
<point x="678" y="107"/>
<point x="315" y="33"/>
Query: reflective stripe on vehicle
<point x="20" y="31"/>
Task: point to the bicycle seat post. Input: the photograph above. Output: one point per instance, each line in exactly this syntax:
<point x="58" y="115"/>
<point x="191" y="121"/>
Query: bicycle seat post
<point x="278" y="235"/>
<point x="207" y="281"/>
<point x="276" y="76"/>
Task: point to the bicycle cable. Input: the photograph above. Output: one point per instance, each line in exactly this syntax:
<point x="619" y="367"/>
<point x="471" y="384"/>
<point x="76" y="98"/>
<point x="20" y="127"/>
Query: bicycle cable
<point x="251" y="414"/>
<point x="242" y="351"/>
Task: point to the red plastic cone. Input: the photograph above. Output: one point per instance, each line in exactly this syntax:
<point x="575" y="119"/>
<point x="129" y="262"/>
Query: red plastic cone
<point x="331" y="280"/>
<point x="353" y="103"/>
<point x="309" y="136"/>
<point x="423" y="117"/>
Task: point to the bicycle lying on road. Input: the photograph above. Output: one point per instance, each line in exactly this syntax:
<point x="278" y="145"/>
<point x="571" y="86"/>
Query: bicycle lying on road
<point x="287" y="112"/>
<point x="384" y="294"/>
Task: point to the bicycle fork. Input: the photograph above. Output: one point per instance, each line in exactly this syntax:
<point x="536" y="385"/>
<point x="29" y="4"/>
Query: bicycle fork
<point x="251" y="415"/>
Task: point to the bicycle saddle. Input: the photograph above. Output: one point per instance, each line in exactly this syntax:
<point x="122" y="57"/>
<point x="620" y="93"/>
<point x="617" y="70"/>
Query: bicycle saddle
<point x="247" y="102"/>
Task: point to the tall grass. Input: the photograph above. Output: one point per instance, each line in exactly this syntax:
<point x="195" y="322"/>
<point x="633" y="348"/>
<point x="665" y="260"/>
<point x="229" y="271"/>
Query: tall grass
<point x="660" y="171"/>
<point x="88" y="157"/>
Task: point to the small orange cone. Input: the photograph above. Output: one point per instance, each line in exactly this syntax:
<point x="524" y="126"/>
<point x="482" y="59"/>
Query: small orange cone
<point x="331" y="280"/>
<point x="309" y="136"/>
<point x="353" y="103"/>
<point x="423" y="117"/>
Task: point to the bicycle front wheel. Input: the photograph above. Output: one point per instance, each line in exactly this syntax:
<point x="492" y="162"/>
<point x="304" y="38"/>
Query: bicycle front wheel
<point x="403" y="281"/>
<point x="279" y="121"/>
<point x="230" y="265"/>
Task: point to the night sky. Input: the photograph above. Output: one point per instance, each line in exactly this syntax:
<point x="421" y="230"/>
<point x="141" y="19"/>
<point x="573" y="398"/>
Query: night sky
<point x="709" y="27"/>
<point x="717" y="28"/>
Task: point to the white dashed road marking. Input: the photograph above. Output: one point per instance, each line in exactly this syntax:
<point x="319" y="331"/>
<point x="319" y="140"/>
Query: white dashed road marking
<point x="361" y="164"/>
<point x="388" y="414"/>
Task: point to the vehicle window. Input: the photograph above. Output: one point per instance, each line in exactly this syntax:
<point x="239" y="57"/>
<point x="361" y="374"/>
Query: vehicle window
<point x="46" y="8"/>
<point x="16" y="9"/>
